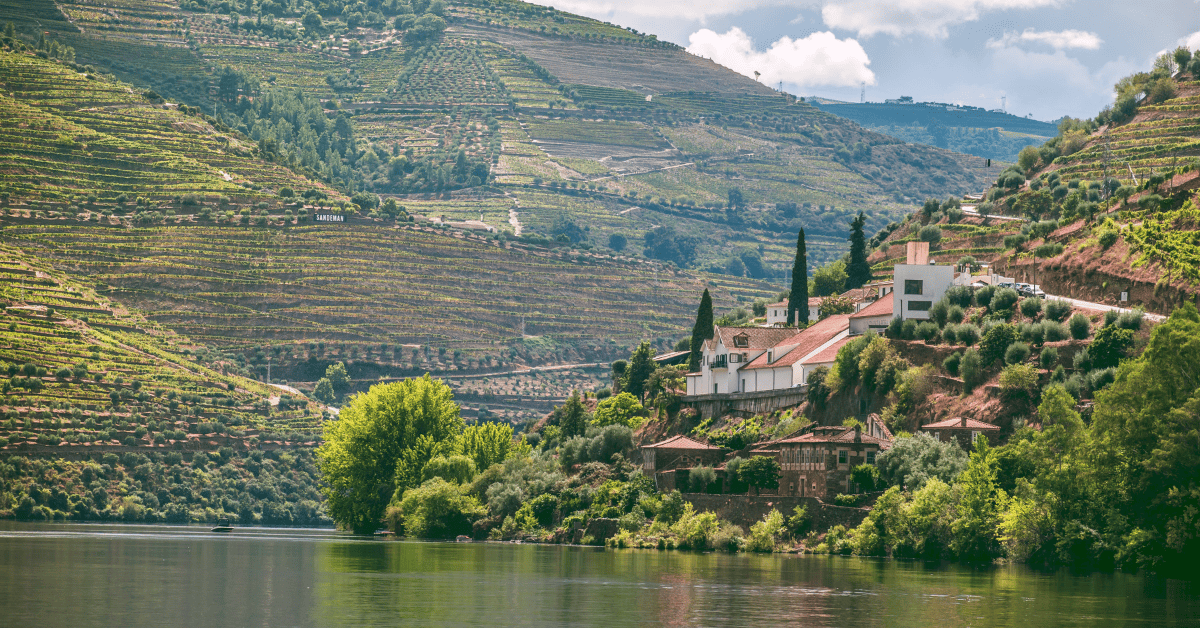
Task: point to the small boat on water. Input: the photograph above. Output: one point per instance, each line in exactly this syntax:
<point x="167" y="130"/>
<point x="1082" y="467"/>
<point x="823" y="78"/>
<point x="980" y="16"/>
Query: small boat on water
<point x="223" y="525"/>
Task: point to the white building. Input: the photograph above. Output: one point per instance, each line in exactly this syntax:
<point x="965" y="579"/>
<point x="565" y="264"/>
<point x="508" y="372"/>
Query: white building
<point x="777" y="312"/>
<point x="729" y="350"/>
<point x="875" y="317"/>
<point x="919" y="283"/>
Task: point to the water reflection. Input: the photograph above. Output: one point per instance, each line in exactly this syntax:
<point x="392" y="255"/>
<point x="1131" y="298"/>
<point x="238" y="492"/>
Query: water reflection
<point x="109" y="575"/>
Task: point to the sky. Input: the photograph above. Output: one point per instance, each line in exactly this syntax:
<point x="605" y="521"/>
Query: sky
<point x="1047" y="58"/>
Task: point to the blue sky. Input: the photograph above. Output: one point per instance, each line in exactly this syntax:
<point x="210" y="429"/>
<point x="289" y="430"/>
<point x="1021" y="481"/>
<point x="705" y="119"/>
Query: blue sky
<point x="1049" y="58"/>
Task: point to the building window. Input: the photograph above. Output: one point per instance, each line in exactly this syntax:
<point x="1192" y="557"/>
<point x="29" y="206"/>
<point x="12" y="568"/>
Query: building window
<point x="914" y="286"/>
<point x="842" y="457"/>
<point x="741" y="340"/>
<point x="919" y="306"/>
<point x="870" y="457"/>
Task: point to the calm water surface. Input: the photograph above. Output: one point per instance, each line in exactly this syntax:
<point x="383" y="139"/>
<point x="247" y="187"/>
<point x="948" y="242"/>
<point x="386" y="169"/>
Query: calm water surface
<point x="134" y="576"/>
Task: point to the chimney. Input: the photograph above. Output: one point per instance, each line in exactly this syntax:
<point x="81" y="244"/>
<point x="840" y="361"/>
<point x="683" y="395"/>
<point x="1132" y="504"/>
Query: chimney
<point x="857" y="433"/>
<point x="964" y="421"/>
<point x="917" y="253"/>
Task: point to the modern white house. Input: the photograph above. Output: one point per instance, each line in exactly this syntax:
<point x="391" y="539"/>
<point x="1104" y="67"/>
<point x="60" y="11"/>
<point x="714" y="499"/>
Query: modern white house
<point x="919" y="283"/>
<point x="756" y="359"/>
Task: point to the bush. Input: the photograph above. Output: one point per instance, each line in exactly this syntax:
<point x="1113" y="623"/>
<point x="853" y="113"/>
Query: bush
<point x="971" y="369"/>
<point x="951" y="363"/>
<point x="799" y="522"/>
<point x="1030" y="308"/>
<point x="1053" y="331"/>
<point x="1080" y="327"/>
<point x="1016" y="353"/>
<point x="1033" y="333"/>
<point x="967" y="334"/>
<point x="983" y="296"/>
<point x="1048" y="357"/>
<point x="927" y="331"/>
<point x="1003" y="299"/>
<point x="765" y="534"/>
<point x="458" y="469"/>
<point x="1131" y="320"/>
<point x="1019" y="378"/>
<point x="955" y="314"/>
<point x="438" y="509"/>
<point x="866" y="476"/>
<point x="1057" y="310"/>
<point x="930" y="233"/>
<point x="700" y="478"/>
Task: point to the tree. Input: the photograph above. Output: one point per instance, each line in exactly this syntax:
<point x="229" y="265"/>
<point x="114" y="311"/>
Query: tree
<point x="797" y="313"/>
<point x="830" y="279"/>
<point x="437" y="509"/>
<point x="313" y="24"/>
<point x="858" y="271"/>
<point x="971" y="370"/>
<point x="486" y="443"/>
<point x="455" y="468"/>
<point x="641" y="365"/>
<point x="701" y="331"/>
<point x="622" y="409"/>
<point x="913" y="461"/>
<point x="573" y="420"/>
<point x="617" y="242"/>
<point x="978" y="508"/>
<point x="426" y="28"/>
<point x="338" y="377"/>
<point x="736" y="200"/>
<point x="1110" y="346"/>
<point x="324" y="391"/>
<point x="379" y="445"/>
<point x="1028" y="158"/>
<point x="760" y="472"/>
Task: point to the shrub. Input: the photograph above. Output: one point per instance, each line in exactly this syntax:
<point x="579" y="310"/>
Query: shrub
<point x="983" y="296"/>
<point x="951" y="363"/>
<point x="996" y="341"/>
<point x="457" y="468"/>
<point x="1048" y="357"/>
<point x="799" y="522"/>
<point x="956" y="314"/>
<point x="1053" y="331"/>
<point x="1016" y="353"/>
<point x="1131" y="320"/>
<point x="971" y="369"/>
<point x="967" y="334"/>
<point x="1003" y="299"/>
<point x="866" y="476"/>
<point x="1057" y="310"/>
<point x="765" y="534"/>
<point x="930" y="233"/>
<point x="960" y="295"/>
<point x="950" y="334"/>
<point x="1033" y="333"/>
<point x="927" y="331"/>
<point x="438" y="509"/>
<point x="700" y="478"/>
<point x="1030" y="308"/>
<point x="1111" y="317"/>
<point x="1019" y="378"/>
<point x="1080" y="326"/>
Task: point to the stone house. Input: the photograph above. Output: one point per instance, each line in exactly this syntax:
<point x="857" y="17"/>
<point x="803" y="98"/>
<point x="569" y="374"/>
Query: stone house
<point x="662" y="459"/>
<point x="818" y="463"/>
<point x="964" y="431"/>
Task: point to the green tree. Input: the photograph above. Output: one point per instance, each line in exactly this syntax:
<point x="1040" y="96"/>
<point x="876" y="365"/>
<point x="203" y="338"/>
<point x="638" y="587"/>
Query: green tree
<point x="379" y="444"/>
<point x="798" y="297"/>
<point x="426" y="28"/>
<point x="641" y="365"/>
<point x="324" y="391"/>
<point x="701" y="331"/>
<point x="622" y="409"/>
<point x="760" y="472"/>
<point x="338" y="378"/>
<point x="573" y="420"/>
<point x="313" y="24"/>
<point x="858" y="271"/>
<point x="486" y="444"/>
<point x="1028" y="158"/>
<point x="1110" y="346"/>
<point x="978" y="509"/>
<point x="455" y="468"/>
<point x="437" y="509"/>
<point x="971" y="370"/>
<point x="913" y="461"/>
<point x="829" y="279"/>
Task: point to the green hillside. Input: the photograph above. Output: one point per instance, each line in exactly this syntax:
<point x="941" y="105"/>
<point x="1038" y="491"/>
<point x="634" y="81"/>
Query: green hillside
<point x="971" y="130"/>
<point x="515" y="202"/>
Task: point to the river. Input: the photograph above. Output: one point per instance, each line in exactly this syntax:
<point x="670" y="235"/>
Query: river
<point x="132" y="576"/>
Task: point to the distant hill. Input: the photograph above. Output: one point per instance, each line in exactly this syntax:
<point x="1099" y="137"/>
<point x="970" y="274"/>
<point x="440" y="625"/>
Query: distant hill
<point x="971" y="130"/>
<point x="523" y="187"/>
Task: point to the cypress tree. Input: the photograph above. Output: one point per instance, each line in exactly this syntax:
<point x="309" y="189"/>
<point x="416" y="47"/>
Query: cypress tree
<point x="858" y="271"/>
<point x="641" y="365"/>
<point x="798" y="297"/>
<point x="701" y="331"/>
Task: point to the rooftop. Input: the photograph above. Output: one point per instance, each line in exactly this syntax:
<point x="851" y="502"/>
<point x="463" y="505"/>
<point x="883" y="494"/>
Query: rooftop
<point x="758" y="338"/>
<point x="882" y="307"/>
<point x="846" y="435"/>
<point x="805" y="342"/>
<point x="681" y="442"/>
<point x="960" y="423"/>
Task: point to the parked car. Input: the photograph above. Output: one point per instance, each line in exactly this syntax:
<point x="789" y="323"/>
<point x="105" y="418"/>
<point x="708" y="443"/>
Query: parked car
<point x="1005" y="284"/>
<point x="1036" y="291"/>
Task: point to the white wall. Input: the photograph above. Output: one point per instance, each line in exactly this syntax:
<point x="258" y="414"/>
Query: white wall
<point x="863" y="325"/>
<point x="935" y="280"/>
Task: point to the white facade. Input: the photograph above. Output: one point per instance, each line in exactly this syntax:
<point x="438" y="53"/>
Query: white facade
<point x="777" y="312"/>
<point x="918" y="287"/>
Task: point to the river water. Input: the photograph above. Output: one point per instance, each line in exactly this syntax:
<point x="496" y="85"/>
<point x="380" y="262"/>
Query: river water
<point x="131" y="576"/>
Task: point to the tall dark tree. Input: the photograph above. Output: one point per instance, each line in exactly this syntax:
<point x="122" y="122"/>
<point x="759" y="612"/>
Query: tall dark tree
<point x="701" y="331"/>
<point x="641" y="365"/>
<point x="573" y="421"/>
<point x="858" y="271"/>
<point x="798" y="297"/>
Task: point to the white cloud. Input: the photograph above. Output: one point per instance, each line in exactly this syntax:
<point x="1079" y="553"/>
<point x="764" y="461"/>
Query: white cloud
<point x="923" y="17"/>
<point x="1059" y="40"/>
<point x="819" y="59"/>
<point x="1191" y="41"/>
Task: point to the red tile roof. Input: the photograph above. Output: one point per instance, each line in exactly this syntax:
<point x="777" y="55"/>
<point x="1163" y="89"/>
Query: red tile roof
<point x="681" y="442"/>
<point x="828" y="353"/>
<point x="881" y="307"/>
<point x="758" y="338"/>
<point x="960" y="423"/>
<point x="803" y="343"/>
<point x="845" y="436"/>
<point x="812" y="302"/>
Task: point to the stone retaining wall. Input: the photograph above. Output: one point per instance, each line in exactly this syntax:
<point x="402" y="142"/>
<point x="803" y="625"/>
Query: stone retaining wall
<point x="746" y="404"/>
<point x="745" y="510"/>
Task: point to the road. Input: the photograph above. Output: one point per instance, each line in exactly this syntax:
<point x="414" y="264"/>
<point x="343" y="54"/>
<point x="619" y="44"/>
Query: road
<point x="1157" y="318"/>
